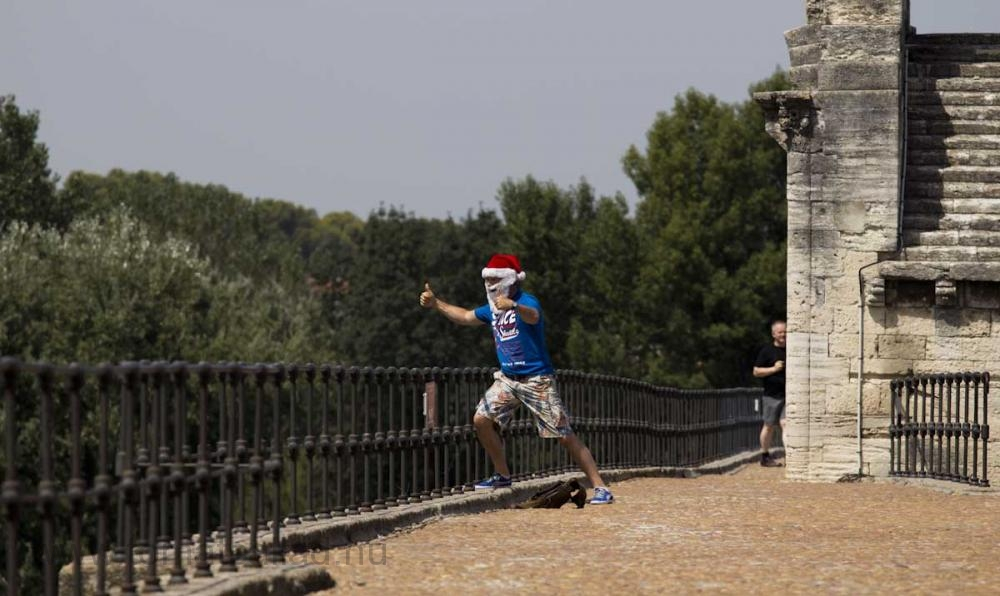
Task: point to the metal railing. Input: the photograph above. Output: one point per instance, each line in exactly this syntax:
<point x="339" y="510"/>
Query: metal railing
<point x="935" y="420"/>
<point x="132" y="466"/>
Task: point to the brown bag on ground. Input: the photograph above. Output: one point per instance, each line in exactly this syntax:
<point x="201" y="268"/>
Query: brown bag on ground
<point x="556" y="496"/>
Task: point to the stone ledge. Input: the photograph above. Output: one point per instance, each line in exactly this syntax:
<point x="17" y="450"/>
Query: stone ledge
<point x="288" y="579"/>
<point x="935" y="271"/>
<point x="293" y="578"/>
<point x="965" y="39"/>
<point x="945" y="486"/>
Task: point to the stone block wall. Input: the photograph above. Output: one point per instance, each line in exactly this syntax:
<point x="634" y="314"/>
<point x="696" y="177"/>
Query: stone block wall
<point x="855" y="254"/>
<point x="841" y="128"/>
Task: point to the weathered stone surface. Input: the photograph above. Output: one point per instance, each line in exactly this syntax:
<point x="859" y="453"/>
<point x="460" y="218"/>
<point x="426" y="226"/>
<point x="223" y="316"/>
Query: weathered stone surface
<point x="935" y="112"/>
<point x="977" y="238"/>
<point x="859" y="75"/>
<point x="884" y="366"/>
<point x="901" y="347"/>
<point x="804" y="35"/>
<point x="805" y="54"/>
<point x="937" y="127"/>
<point x="882" y="102"/>
<point x="915" y="321"/>
<point x="980" y="206"/>
<point x="945" y="293"/>
<point x="926" y="238"/>
<point x="953" y="141"/>
<point x="844" y="206"/>
<point x="956" y="39"/>
<point x="963" y="348"/>
<point x="953" y="190"/>
<point x="954" y="157"/>
<point x="911" y="270"/>
<point x="816" y="13"/>
<point x="952" y="221"/>
<point x="875" y="292"/>
<point x="846" y="320"/>
<point x="944" y="254"/>
<point x="930" y="367"/>
<point x="861" y="42"/>
<point x="955" y="98"/>
<point x="789" y="117"/>
<point x="962" y="322"/>
<point x="845" y="346"/>
<point x="952" y="54"/>
<point x="865" y="12"/>
<point x="803" y="77"/>
<point x="981" y="174"/>
<point x="953" y="84"/>
<point x="959" y="69"/>
<point x="975" y="271"/>
<point x="981" y="296"/>
<point x="852" y="216"/>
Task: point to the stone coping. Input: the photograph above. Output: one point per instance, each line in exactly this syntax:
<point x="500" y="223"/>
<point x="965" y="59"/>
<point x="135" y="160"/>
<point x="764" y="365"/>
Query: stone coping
<point x="944" y="486"/>
<point x="935" y="270"/>
<point x="774" y="98"/>
<point x="960" y="39"/>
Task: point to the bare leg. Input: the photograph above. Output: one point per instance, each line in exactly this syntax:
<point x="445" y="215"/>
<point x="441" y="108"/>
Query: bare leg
<point x="582" y="456"/>
<point x="489" y="438"/>
<point x="765" y="437"/>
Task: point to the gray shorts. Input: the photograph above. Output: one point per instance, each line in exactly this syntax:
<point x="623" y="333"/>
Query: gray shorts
<point x="774" y="410"/>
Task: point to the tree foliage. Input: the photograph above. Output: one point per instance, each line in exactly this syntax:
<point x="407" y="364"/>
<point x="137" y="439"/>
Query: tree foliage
<point x="680" y="292"/>
<point x="27" y="186"/>
<point x="397" y="253"/>
<point x="711" y="230"/>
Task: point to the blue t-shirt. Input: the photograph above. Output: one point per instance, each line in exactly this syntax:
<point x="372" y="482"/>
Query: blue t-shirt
<point x="520" y="346"/>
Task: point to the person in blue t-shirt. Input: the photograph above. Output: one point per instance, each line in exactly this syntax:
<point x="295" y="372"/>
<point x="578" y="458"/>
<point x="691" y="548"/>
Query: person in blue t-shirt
<point x="526" y="374"/>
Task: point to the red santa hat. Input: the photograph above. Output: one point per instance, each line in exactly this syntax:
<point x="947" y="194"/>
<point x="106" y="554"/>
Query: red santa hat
<point x="506" y="267"/>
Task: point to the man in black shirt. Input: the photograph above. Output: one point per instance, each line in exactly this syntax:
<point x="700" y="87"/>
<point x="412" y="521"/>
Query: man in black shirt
<point x="770" y="366"/>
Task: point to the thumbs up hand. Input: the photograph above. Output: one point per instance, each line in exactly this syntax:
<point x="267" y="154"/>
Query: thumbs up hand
<point x="427" y="298"/>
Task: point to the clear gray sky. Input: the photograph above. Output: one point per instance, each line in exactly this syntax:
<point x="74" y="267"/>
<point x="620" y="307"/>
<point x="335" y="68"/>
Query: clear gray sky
<point x="427" y="104"/>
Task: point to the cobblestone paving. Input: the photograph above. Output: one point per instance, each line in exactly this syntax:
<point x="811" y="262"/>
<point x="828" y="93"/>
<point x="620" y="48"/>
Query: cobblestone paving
<point x="748" y="532"/>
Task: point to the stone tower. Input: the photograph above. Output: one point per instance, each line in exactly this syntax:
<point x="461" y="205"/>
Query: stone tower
<point x="893" y="143"/>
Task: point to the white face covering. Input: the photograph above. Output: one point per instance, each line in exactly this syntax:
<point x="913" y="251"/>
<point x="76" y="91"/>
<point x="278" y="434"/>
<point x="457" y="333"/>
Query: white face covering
<point x="501" y="288"/>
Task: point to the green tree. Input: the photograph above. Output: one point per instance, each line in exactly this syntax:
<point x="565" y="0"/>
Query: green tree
<point x="711" y="224"/>
<point x="27" y="186"/>
<point x="382" y="322"/>
<point x="603" y="331"/>
<point x="238" y="235"/>
<point x="332" y="260"/>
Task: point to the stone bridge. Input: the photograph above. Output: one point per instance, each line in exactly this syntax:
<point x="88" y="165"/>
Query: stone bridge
<point x="729" y="528"/>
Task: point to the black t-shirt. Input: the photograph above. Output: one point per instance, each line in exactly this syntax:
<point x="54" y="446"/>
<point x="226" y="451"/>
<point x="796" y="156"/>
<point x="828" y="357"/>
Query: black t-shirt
<point x="774" y="385"/>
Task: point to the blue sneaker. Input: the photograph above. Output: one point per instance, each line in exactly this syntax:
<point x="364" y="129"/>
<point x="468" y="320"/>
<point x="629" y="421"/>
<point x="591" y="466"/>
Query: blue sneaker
<point x="602" y="496"/>
<point x="494" y="481"/>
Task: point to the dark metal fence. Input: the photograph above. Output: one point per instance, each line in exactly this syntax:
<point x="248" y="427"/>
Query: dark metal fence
<point x="936" y="419"/>
<point x="120" y="471"/>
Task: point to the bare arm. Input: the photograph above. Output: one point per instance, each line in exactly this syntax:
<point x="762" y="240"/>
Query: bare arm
<point x="455" y="314"/>
<point x="766" y="371"/>
<point x="529" y="314"/>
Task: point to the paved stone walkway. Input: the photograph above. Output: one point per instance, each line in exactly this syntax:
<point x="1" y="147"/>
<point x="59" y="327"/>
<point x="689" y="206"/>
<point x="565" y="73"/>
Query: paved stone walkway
<point x="751" y="531"/>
